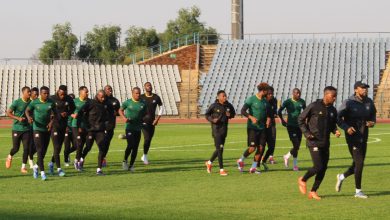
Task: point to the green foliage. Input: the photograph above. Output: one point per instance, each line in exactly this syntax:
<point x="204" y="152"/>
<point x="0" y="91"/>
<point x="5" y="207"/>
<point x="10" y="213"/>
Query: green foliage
<point x="141" y="37"/>
<point x="61" y="46"/>
<point x="187" y="23"/>
<point x="102" y="43"/>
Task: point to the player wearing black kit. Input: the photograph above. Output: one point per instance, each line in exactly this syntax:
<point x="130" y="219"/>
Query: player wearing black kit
<point x="96" y="117"/>
<point x="218" y="114"/>
<point x="113" y="106"/>
<point x="316" y="122"/>
<point x="151" y="100"/>
<point x="270" y="132"/>
<point x="356" y="115"/>
<point x="63" y="108"/>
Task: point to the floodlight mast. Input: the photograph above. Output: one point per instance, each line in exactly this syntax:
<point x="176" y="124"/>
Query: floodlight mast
<point x="237" y="19"/>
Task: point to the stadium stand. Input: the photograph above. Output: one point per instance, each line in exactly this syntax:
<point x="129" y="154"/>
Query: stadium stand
<point x="309" y="64"/>
<point x="163" y="77"/>
<point x="188" y="88"/>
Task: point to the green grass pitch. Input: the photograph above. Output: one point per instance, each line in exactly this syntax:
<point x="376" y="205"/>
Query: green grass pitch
<point x="176" y="186"/>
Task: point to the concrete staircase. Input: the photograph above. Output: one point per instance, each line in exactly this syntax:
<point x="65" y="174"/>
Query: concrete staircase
<point x="189" y="94"/>
<point x="382" y="95"/>
<point x="206" y="57"/>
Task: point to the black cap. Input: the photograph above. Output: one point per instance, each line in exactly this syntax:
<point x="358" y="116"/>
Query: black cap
<point x="361" y="85"/>
<point x="63" y="88"/>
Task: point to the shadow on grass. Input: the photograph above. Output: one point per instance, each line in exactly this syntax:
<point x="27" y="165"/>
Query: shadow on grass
<point x="366" y="165"/>
<point x="378" y="193"/>
<point x="369" y="194"/>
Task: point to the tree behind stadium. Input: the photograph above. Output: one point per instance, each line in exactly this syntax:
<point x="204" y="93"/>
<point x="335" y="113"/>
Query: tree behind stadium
<point x="61" y="46"/>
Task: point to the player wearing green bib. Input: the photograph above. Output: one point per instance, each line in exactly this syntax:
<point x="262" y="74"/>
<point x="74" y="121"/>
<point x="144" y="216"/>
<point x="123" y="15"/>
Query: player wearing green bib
<point x="79" y="133"/>
<point x="32" y="149"/>
<point x="294" y="107"/>
<point x="21" y="129"/>
<point x="40" y="113"/>
<point x="256" y="109"/>
<point x="132" y="111"/>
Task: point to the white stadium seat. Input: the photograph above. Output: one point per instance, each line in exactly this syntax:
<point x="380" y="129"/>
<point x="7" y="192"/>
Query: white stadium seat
<point x="122" y="79"/>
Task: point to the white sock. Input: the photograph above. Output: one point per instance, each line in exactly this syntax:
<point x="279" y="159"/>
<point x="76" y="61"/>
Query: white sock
<point x="288" y="155"/>
<point x="242" y="158"/>
<point x="209" y="162"/>
<point x="75" y="160"/>
<point x="42" y="173"/>
<point x="9" y="157"/>
<point x="341" y="177"/>
<point x="35" y="166"/>
<point x="58" y="169"/>
<point x="358" y="190"/>
<point x="81" y="159"/>
<point x="220" y="170"/>
<point x="23" y="165"/>
<point x="50" y="163"/>
<point x="98" y="170"/>
<point x="254" y="164"/>
<point x="295" y="161"/>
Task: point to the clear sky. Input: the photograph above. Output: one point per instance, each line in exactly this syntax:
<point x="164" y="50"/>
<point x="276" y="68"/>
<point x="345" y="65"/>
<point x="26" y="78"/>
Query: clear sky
<point x="25" y="24"/>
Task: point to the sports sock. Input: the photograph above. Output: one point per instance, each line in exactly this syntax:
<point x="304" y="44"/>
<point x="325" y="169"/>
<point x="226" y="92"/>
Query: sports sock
<point x="295" y="161"/>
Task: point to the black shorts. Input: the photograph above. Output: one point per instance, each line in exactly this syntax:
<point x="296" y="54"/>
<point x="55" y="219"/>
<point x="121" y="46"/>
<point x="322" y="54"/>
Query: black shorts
<point x="271" y="136"/>
<point x="256" y="137"/>
<point x="294" y="133"/>
<point x="21" y="136"/>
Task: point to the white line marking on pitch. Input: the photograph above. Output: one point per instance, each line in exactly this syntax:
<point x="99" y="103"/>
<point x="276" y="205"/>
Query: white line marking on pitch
<point x="376" y="140"/>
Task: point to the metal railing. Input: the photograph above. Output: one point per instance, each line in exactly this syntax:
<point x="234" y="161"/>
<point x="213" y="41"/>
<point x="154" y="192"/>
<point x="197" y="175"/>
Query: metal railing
<point x="303" y="35"/>
<point x="197" y="38"/>
<point x="52" y="61"/>
<point x="159" y="49"/>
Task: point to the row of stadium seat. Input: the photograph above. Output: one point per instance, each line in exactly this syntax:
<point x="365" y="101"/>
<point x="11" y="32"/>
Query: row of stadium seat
<point x="164" y="78"/>
<point x="309" y="64"/>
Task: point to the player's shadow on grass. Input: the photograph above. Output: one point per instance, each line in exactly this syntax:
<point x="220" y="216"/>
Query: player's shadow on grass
<point x="366" y="165"/>
<point x="343" y="158"/>
<point x="378" y="193"/>
<point x="157" y="166"/>
<point x="369" y="194"/>
<point x="5" y="176"/>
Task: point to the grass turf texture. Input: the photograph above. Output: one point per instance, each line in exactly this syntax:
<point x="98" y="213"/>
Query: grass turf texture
<point x="176" y="186"/>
